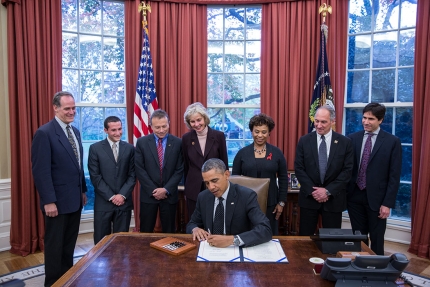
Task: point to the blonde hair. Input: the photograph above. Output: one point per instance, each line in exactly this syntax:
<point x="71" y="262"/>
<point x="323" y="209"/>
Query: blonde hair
<point x="196" y="108"/>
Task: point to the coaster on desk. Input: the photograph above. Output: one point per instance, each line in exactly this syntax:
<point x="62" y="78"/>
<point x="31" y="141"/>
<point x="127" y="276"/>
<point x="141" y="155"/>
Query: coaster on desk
<point x="316" y="260"/>
<point x="173" y="245"/>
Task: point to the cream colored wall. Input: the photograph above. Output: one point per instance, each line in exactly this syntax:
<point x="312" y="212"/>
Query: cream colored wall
<point x="5" y="168"/>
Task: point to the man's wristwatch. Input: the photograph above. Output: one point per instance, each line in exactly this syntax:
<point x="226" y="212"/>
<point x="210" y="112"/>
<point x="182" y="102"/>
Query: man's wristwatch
<point x="236" y="241"/>
<point x="327" y="193"/>
<point x="281" y="203"/>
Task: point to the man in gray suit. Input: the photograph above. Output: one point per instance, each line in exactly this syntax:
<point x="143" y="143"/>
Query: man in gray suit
<point x="111" y="167"/>
<point x="159" y="168"/>
<point x="228" y="209"/>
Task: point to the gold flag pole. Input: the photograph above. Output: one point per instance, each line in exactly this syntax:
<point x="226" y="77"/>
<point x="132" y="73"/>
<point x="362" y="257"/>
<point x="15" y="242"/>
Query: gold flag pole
<point x="324" y="9"/>
<point x="143" y="7"/>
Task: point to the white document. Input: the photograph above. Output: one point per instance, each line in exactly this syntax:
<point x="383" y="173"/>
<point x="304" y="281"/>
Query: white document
<point x="267" y="252"/>
<point x="215" y="254"/>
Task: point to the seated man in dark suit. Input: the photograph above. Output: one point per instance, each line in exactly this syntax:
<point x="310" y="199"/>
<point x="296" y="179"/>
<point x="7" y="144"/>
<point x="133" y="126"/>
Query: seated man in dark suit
<point x="240" y="217"/>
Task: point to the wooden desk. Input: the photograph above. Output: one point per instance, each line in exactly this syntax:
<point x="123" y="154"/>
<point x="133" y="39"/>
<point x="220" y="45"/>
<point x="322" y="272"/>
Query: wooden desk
<point x="126" y="259"/>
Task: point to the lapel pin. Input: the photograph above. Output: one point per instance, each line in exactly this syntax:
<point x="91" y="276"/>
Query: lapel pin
<point x="192" y="143"/>
<point x="232" y="203"/>
<point x="335" y="141"/>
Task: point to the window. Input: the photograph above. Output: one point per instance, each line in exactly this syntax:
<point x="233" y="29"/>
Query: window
<point x="93" y="68"/>
<point x="380" y="69"/>
<point x="234" y="47"/>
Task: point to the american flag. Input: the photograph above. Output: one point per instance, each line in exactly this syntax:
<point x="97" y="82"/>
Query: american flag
<point x="146" y="99"/>
<point x="323" y="93"/>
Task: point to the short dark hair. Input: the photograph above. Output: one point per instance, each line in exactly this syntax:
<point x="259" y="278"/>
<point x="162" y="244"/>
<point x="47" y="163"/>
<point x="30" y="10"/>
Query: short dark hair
<point x="214" y="163"/>
<point x="159" y="114"/>
<point x="261" y="119"/>
<point x="56" y="101"/>
<point x="377" y="109"/>
<point x="111" y="119"/>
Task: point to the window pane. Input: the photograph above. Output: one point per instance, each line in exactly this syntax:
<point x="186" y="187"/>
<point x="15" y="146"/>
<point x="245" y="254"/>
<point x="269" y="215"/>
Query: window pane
<point x="353" y="120"/>
<point x="387" y="123"/>
<point x="387" y="16"/>
<point x="406" y="163"/>
<point x="253" y="23"/>
<point x="383" y="82"/>
<point x="402" y="210"/>
<point x="252" y="89"/>
<point x="215" y="56"/>
<point x="90" y="16"/>
<point x="405" y="87"/>
<point x="408" y="13"/>
<point x="70" y="50"/>
<point x="113" y="18"/>
<point x="384" y="50"/>
<point x="233" y="53"/>
<point x="233" y="88"/>
<point x="360" y="17"/>
<point x="91" y="52"/>
<point x="358" y="87"/>
<point x="92" y="124"/>
<point x="215" y="89"/>
<point x="407" y="47"/>
<point x="91" y="90"/>
<point x="232" y="148"/>
<point x="113" y="53"/>
<point x="359" y="52"/>
<point x="215" y="18"/>
<point x="253" y="49"/>
<point x="70" y="82"/>
<point x="69" y="14"/>
<point x="234" y="26"/>
<point x="114" y="84"/>
<point x="235" y="121"/>
<point x="404" y="121"/>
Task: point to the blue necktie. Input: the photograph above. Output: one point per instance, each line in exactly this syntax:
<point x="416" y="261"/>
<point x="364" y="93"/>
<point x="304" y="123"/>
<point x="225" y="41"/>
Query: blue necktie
<point x="322" y="158"/>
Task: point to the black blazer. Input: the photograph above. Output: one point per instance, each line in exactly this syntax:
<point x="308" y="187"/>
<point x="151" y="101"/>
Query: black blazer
<point x="148" y="167"/>
<point x="243" y="215"/>
<point x="194" y="159"/>
<point x="383" y="170"/>
<point x="274" y="167"/>
<point x="56" y="172"/>
<point x="338" y="174"/>
<point x="110" y="177"/>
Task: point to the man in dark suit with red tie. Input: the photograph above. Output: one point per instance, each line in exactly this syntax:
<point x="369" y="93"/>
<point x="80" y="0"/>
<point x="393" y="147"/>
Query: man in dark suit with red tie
<point x="375" y="177"/>
<point x="56" y="157"/>
<point x="323" y="166"/>
<point x="159" y="168"/>
<point x="111" y="168"/>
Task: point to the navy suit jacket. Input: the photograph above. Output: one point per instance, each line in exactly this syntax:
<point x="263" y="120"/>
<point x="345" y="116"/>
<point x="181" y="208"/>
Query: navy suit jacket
<point x="383" y="170"/>
<point x="56" y="172"/>
<point x="243" y="215"/>
<point x="274" y="167"/>
<point x="148" y="168"/>
<point x="194" y="159"/>
<point x="338" y="174"/>
<point x="110" y="177"/>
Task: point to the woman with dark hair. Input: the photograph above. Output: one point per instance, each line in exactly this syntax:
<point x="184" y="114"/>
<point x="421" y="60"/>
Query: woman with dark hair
<point x="263" y="160"/>
<point x="199" y="145"/>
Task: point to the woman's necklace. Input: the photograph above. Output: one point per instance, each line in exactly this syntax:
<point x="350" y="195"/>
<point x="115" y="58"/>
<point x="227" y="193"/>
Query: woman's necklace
<point x="260" y="152"/>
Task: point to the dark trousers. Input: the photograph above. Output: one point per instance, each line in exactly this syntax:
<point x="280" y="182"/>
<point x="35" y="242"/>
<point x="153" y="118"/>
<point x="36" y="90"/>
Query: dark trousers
<point x="107" y="222"/>
<point x="309" y="220"/>
<point x="273" y="222"/>
<point x="148" y="216"/>
<point x="61" y="233"/>
<point x="366" y="220"/>
<point x="191" y="206"/>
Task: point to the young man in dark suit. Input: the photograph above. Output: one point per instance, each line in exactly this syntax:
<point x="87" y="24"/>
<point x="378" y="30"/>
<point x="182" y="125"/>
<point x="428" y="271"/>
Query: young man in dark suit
<point x="244" y="223"/>
<point x="56" y="157"/>
<point x="159" y="168"/>
<point x="111" y="168"/>
<point x="375" y="177"/>
<point x="323" y="166"/>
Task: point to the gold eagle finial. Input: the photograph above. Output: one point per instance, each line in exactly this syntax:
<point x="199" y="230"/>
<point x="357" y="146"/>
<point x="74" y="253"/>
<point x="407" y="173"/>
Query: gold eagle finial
<point x="143" y="7"/>
<point x="324" y="8"/>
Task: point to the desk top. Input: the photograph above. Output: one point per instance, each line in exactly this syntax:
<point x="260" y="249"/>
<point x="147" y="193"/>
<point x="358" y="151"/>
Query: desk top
<point x="126" y="259"/>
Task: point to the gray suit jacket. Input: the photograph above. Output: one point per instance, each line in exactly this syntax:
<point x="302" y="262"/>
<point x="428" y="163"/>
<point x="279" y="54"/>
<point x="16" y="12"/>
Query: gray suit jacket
<point x="148" y="168"/>
<point x="243" y="215"/>
<point x="110" y="177"/>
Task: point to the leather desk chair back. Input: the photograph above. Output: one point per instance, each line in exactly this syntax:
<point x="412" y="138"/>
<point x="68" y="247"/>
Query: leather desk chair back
<point x="259" y="185"/>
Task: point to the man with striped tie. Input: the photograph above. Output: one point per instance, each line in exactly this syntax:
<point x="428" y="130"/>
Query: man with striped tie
<point x="375" y="177"/>
<point x="323" y="166"/>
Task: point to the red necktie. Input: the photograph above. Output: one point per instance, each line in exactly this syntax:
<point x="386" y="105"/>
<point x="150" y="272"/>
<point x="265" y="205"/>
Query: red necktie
<point x="160" y="157"/>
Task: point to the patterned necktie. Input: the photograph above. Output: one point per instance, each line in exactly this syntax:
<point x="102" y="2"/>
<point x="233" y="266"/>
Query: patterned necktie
<point x="160" y="157"/>
<point x="219" y="218"/>
<point x="115" y="152"/>
<point x="72" y="142"/>
<point x="322" y="158"/>
<point x="361" y="178"/>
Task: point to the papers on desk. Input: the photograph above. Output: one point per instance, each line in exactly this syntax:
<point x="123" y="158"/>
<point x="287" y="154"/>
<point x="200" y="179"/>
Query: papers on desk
<point x="267" y="252"/>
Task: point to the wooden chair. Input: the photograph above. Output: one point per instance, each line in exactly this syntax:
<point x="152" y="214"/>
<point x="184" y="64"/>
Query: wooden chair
<point x="259" y="185"/>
